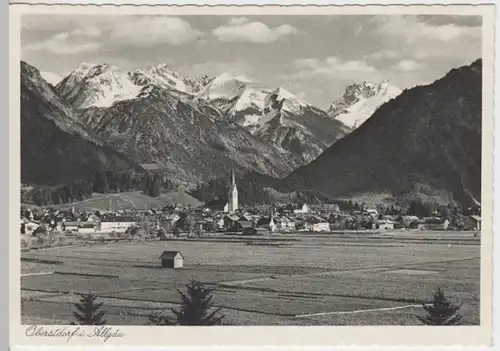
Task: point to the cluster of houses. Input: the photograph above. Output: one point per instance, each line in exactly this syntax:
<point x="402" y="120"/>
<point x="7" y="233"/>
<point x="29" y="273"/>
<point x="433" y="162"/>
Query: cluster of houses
<point x="70" y="221"/>
<point x="227" y="216"/>
<point x="288" y="218"/>
<point x="281" y="218"/>
<point x="323" y="218"/>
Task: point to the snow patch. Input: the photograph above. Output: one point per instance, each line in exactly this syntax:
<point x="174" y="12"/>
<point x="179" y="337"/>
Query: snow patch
<point x="251" y="120"/>
<point x="250" y="98"/>
<point x="224" y="86"/>
<point x="103" y="85"/>
<point x="360" y="101"/>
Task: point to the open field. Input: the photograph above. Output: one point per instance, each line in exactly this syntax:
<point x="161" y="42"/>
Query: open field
<point x="315" y="279"/>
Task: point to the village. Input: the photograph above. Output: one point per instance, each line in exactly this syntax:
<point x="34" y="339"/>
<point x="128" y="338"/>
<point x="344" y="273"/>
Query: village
<point x="227" y="216"/>
<point x="274" y="263"/>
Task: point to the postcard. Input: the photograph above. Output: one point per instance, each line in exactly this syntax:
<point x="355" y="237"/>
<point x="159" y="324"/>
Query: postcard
<point x="251" y="175"/>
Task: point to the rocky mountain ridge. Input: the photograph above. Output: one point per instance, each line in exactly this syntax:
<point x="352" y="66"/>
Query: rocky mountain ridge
<point x="360" y="101"/>
<point x="297" y="130"/>
<point x="56" y="147"/>
<point x="426" y="140"/>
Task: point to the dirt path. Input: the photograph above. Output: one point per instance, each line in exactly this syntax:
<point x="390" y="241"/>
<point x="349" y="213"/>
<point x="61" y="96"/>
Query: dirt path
<point x="37" y="273"/>
<point x="358" y="311"/>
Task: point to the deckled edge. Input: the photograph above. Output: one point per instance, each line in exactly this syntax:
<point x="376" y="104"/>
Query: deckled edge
<point x="495" y="185"/>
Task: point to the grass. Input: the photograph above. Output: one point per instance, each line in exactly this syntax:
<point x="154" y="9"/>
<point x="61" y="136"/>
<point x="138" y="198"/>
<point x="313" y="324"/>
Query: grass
<point x="381" y="285"/>
<point x="239" y="254"/>
<point x="271" y="285"/>
<point x="131" y="200"/>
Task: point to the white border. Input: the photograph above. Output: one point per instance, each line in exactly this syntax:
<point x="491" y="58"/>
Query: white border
<point x="262" y="336"/>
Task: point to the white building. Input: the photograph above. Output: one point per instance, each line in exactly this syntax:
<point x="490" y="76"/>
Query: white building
<point x="303" y="209"/>
<point x="321" y="227"/>
<point x="118" y="224"/>
<point x="385" y="224"/>
<point x="232" y="197"/>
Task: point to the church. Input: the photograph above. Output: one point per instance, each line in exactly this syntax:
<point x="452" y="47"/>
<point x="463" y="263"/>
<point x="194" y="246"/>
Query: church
<point x="232" y="196"/>
<point x="229" y="204"/>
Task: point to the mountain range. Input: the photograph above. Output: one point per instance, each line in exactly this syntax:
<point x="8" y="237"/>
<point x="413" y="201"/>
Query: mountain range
<point x="190" y="128"/>
<point x="424" y="143"/>
<point x="375" y="138"/>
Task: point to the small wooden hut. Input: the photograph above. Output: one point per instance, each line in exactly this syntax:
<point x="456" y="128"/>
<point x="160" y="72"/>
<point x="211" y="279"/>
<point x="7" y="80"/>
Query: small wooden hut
<point x="172" y="259"/>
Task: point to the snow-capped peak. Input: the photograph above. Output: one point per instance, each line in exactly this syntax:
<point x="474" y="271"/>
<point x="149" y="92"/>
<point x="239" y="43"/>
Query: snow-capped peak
<point x="163" y="67"/>
<point x="68" y="87"/>
<point x="198" y="83"/>
<point x="97" y="85"/>
<point x="384" y="83"/>
<point x="286" y="99"/>
<point x="161" y="75"/>
<point x="361" y="100"/>
<point x="82" y="69"/>
<point x="367" y="84"/>
<point x="282" y="93"/>
<point x="389" y="89"/>
<point x="101" y="85"/>
<point x="103" y="69"/>
<point x="250" y="97"/>
<point x="225" y="86"/>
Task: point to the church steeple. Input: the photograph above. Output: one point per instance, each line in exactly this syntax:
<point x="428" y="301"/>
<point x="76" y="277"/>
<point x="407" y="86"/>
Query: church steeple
<point x="232" y="194"/>
<point x="233" y="179"/>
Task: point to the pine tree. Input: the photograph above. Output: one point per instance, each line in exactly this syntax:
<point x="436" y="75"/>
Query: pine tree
<point x="88" y="311"/>
<point x="196" y="304"/>
<point x="440" y="311"/>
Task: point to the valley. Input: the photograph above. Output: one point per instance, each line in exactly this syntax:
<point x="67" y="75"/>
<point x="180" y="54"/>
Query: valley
<point x="197" y="130"/>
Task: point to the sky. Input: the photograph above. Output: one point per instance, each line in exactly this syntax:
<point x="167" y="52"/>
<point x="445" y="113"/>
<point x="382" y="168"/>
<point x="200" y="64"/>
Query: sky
<point x="314" y="57"/>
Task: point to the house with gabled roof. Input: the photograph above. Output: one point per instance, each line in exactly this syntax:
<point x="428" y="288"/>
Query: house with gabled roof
<point x="172" y="259"/>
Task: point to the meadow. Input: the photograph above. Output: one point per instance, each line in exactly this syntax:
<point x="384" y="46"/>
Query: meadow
<point x="313" y="280"/>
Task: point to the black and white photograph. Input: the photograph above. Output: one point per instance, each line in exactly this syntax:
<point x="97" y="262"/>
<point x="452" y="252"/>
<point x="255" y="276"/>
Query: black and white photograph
<point x="252" y="169"/>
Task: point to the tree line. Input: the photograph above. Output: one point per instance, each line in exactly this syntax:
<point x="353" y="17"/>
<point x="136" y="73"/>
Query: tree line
<point x="102" y="182"/>
<point x="251" y="191"/>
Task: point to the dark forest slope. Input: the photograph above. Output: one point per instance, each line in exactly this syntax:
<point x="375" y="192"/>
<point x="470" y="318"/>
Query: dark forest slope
<point x="429" y="137"/>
